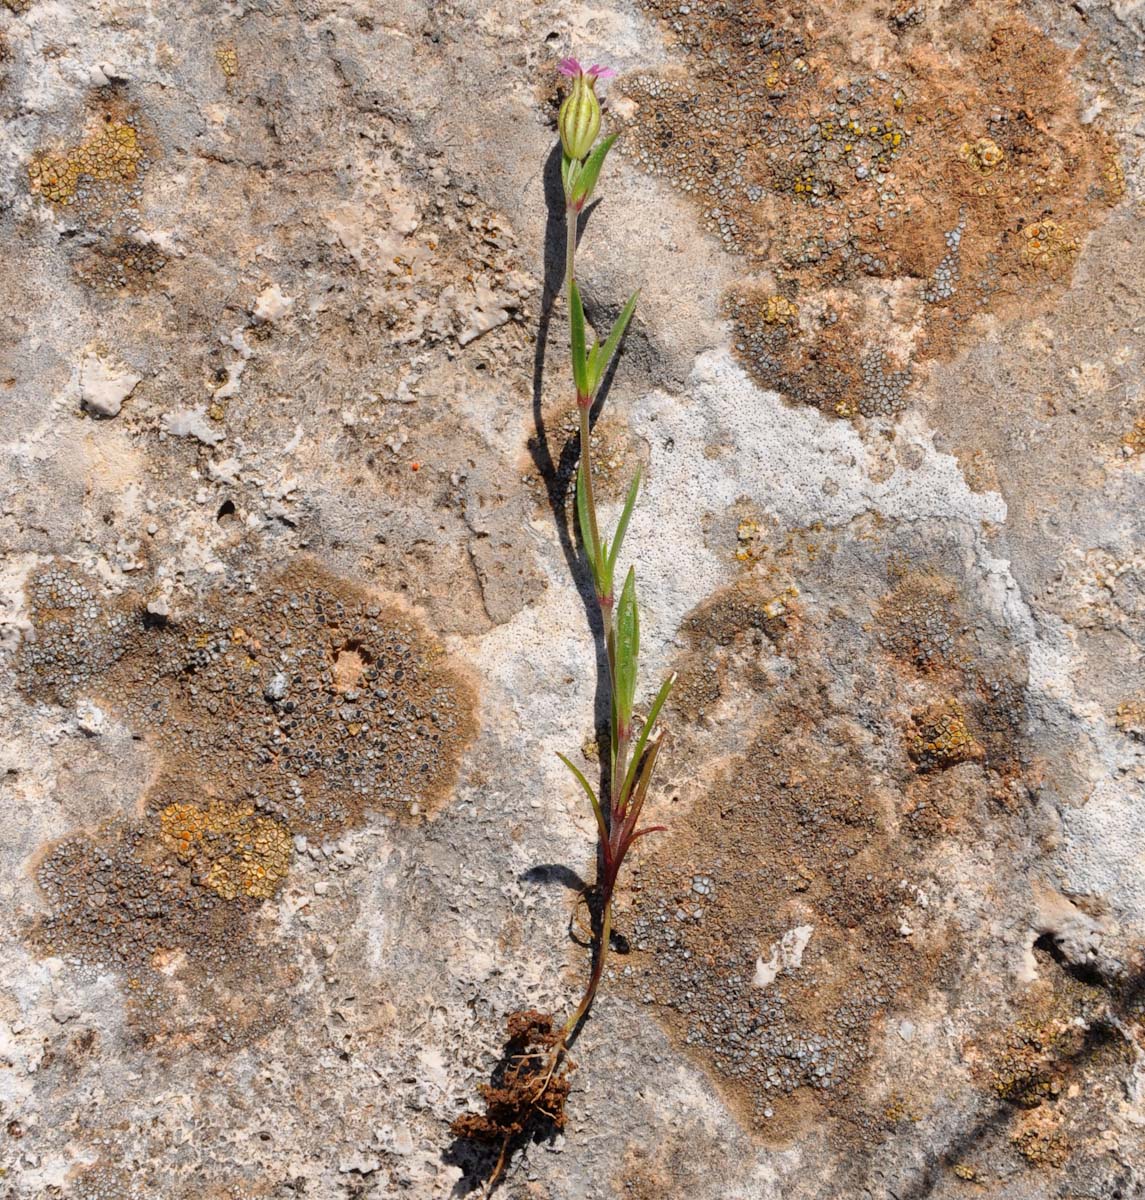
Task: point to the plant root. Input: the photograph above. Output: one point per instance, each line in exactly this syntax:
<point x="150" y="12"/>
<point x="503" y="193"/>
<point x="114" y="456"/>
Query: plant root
<point x="528" y="1091"/>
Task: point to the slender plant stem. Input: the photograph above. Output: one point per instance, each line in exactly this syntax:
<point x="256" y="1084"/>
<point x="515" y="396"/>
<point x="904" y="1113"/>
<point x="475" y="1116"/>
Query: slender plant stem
<point x="586" y="459"/>
<point x="596" y="976"/>
<point x="618" y="736"/>
<point x="571" y="216"/>
<point x="584" y="406"/>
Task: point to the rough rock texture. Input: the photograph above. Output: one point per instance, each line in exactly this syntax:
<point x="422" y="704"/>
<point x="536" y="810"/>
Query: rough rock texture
<point x="289" y="635"/>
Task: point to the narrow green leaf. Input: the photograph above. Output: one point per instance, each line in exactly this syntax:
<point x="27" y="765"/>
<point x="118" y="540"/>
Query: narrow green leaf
<point x="593" y="356"/>
<point x="622" y="524"/>
<point x="567" y="174"/>
<point x="576" y="326"/>
<point x="586" y="178"/>
<point x="627" y="647"/>
<point x="643" y="781"/>
<point x="646" y="732"/>
<point x="610" y="645"/>
<point x="608" y="350"/>
<point x="602" y="828"/>
<point x="585" y="523"/>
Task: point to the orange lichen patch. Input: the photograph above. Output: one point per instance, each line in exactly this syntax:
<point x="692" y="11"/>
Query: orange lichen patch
<point x="906" y="179"/>
<point x="1048" y="245"/>
<point x="114" y="154"/>
<point x="234" y="851"/>
<point x="939" y="737"/>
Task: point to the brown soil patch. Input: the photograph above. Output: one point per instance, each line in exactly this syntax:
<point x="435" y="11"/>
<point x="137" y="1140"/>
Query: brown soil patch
<point x="306" y="696"/>
<point x="822" y="765"/>
<point x="525" y="1088"/>
<point x="894" y="179"/>
<point x="767" y="925"/>
<point x="293" y="708"/>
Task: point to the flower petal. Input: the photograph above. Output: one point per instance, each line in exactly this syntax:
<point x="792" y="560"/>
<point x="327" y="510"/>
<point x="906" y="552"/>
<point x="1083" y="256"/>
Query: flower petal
<point x="600" y="72"/>
<point x="570" y="67"/>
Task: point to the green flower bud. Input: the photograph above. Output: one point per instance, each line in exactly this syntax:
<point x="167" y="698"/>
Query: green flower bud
<point x="579" y="119"/>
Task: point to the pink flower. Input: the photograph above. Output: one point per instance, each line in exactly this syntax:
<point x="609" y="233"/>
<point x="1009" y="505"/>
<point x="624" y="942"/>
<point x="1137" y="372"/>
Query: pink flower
<point x="571" y="68"/>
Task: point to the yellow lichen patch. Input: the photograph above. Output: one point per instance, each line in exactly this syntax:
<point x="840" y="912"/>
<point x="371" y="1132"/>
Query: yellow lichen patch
<point x="748" y="537"/>
<point x="779" y="311"/>
<point x="1134" y="441"/>
<point x="1038" y="1138"/>
<point x="1114" y="176"/>
<point x="1026" y="1069"/>
<point x="939" y="737"/>
<point x="1131" y="718"/>
<point x="1048" y="245"/>
<point x="228" y="59"/>
<point x="235" y="852"/>
<point x="114" y="155"/>
<point x="984" y="154"/>
<point x="898" y="1109"/>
